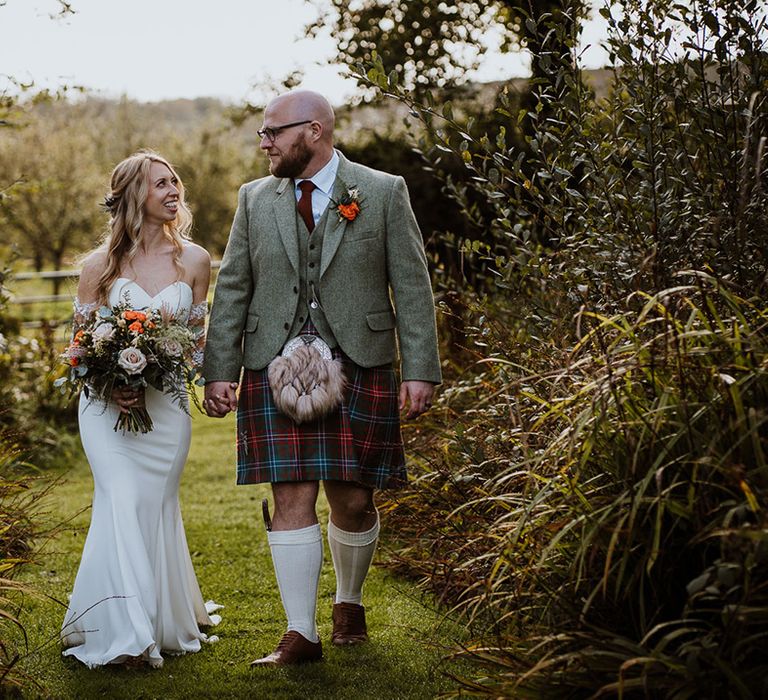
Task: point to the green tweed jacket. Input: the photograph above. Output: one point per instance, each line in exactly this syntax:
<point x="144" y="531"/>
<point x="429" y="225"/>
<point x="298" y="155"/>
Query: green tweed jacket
<point x="374" y="286"/>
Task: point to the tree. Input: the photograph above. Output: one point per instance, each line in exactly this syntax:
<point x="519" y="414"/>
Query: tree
<point x="213" y="163"/>
<point x="432" y="44"/>
<point x="51" y="209"/>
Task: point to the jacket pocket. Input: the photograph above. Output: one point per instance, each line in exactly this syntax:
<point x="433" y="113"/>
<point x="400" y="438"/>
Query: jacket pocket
<point x="353" y="234"/>
<point x="251" y="322"/>
<point x="380" y="320"/>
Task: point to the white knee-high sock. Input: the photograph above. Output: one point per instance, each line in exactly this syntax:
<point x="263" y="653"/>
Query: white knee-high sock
<point x="297" y="556"/>
<point x="352" y="553"/>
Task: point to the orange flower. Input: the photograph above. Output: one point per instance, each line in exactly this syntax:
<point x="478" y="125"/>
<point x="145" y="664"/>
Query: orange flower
<point x="134" y="316"/>
<point x="348" y="206"/>
<point x="349" y="211"/>
<point x="149" y="325"/>
<point x="136" y="327"/>
<point x="74" y="361"/>
<point x="77" y="338"/>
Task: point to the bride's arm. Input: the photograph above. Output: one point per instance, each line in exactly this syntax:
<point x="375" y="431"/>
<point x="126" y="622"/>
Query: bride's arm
<point x="86" y="302"/>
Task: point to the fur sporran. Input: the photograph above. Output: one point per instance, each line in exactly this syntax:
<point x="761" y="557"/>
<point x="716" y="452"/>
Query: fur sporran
<point x="306" y="382"/>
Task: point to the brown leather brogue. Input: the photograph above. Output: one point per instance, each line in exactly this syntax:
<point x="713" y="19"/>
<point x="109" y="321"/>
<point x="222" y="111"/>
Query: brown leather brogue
<point x="293" y="648"/>
<point x="348" y="624"/>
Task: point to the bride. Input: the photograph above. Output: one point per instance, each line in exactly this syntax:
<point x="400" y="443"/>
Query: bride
<point x="136" y="594"/>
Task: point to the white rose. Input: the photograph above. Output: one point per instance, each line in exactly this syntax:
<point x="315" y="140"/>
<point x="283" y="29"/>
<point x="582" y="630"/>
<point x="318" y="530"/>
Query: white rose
<point x="103" y="332"/>
<point x="132" y="360"/>
<point x="171" y="347"/>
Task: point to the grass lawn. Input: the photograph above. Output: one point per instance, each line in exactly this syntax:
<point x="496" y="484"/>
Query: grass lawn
<point x="229" y="549"/>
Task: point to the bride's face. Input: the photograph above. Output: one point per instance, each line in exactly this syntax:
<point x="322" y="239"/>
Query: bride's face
<point x="162" y="201"/>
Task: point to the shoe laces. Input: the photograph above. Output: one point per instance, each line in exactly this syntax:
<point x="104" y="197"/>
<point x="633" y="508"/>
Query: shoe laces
<point x="286" y="639"/>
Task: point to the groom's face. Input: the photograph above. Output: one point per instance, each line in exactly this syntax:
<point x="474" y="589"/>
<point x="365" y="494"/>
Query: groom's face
<point x="290" y="160"/>
<point x="287" y="147"/>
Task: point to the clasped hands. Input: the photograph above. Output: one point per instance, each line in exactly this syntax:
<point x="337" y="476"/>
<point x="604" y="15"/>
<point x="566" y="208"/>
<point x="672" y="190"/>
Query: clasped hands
<point x="221" y="398"/>
<point x="128" y="397"/>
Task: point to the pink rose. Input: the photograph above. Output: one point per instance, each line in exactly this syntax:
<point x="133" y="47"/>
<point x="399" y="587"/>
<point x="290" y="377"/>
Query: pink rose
<point x="171" y="347"/>
<point x="132" y="360"/>
<point x="103" y="332"/>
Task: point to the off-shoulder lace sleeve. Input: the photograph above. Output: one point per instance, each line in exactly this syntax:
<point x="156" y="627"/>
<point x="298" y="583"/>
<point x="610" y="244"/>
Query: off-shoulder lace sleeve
<point x="82" y="313"/>
<point x="196" y="323"/>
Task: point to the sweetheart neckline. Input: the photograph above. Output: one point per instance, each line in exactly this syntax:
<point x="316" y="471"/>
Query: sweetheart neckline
<point x="154" y="296"/>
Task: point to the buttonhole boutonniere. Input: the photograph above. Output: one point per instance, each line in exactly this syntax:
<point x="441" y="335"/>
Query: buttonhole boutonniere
<point x="348" y="206"/>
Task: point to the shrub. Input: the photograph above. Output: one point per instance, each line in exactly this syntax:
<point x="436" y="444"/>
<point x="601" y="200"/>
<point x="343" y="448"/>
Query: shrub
<point x="595" y="504"/>
<point x="34" y="412"/>
<point x="22" y="525"/>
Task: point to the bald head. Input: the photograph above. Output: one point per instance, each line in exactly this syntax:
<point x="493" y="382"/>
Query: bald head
<point x="299" y="105"/>
<point x="301" y="138"/>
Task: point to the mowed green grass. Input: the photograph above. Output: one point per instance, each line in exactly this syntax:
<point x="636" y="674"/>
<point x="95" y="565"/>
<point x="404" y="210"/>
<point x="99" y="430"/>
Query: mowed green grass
<point x="226" y="537"/>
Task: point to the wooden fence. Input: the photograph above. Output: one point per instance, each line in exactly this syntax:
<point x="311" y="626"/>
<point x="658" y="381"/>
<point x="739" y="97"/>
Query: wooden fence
<point x="53" y="298"/>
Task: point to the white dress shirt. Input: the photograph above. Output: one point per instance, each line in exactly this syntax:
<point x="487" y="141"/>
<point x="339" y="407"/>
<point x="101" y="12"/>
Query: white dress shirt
<point x="323" y="179"/>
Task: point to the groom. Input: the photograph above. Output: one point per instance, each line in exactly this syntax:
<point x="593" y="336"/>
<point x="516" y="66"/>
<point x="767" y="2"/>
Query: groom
<point x="326" y="248"/>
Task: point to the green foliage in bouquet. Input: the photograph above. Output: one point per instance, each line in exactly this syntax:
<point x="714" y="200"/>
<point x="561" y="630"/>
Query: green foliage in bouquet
<point x="122" y="346"/>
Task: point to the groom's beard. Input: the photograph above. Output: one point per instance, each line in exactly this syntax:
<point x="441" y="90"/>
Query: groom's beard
<point x="293" y="163"/>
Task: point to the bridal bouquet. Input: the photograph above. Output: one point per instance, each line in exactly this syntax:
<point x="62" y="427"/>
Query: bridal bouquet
<point x="122" y="346"/>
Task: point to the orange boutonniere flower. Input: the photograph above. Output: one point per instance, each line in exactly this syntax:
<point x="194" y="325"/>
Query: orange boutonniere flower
<point x="348" y="206"/>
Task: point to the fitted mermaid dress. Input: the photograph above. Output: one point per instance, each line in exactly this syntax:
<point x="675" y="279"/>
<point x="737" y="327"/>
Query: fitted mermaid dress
<point x="135" y="594"/>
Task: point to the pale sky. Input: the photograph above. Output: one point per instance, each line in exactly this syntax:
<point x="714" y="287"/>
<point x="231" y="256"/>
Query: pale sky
<point x="163" y="49"/>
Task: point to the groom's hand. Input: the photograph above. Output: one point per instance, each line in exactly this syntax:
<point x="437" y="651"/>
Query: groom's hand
<point x="220" y="398"/>
<point x="416" y="396"/>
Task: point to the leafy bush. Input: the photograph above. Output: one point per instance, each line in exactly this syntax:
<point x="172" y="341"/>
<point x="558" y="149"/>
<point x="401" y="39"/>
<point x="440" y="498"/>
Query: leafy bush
<point x="21" y="526"/>
<point x="595" y="505"/>
<point x="620" y="495"/>
<point x="34" y="413"/>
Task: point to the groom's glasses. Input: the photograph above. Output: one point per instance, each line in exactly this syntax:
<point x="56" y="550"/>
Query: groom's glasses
<point x="272" y="132"/>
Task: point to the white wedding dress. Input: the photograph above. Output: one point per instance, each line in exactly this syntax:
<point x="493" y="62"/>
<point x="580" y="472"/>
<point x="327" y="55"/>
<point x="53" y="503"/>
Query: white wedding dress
<point x="136" y="594"/>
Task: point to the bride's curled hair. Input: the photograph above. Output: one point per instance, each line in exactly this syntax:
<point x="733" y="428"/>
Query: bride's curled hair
<point x="129" y="188"/>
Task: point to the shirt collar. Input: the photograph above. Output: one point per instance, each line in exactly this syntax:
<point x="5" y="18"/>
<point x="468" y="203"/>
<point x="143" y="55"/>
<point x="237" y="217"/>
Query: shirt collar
<point x="326" y="176"/>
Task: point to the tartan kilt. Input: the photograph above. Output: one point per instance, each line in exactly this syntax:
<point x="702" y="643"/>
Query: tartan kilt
<point x="360" y="441"/>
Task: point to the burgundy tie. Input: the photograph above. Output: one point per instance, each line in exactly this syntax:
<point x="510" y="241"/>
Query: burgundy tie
<point x="305" y="203"/>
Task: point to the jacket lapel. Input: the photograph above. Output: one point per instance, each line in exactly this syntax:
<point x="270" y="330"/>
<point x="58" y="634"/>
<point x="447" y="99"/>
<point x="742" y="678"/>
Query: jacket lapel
<point x="335" y="225"/>
<point x="285" y="214"/>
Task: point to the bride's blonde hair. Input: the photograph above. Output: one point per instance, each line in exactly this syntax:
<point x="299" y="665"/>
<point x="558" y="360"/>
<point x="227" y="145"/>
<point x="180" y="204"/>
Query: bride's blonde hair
<point x="129" y="187"/>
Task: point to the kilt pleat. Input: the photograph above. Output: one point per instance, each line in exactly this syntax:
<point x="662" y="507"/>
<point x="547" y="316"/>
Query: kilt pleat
<point x="359" y="442"/>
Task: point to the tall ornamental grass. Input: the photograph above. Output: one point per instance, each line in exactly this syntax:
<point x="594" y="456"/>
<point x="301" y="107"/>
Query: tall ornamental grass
<point x="610" y="511"/>
<point x="593" y="502"/>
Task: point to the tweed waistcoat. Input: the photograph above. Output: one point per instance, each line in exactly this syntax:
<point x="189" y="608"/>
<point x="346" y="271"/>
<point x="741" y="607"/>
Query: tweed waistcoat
<point x="310" y="247"/>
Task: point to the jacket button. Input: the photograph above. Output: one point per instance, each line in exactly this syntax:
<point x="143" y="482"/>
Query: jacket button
<point x="286" y="326"/>
<point x="311" y="246"/>
<point x="295" y="290"/>
<point x="311" y="264"/>
<point x="301" y="319"/>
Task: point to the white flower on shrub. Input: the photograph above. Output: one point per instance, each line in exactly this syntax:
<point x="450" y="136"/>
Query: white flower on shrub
<point x="103" y="332"/>
<point x="170" y="347"/>
<point x="3" y="342"/>
<point x="132" y="360"/>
